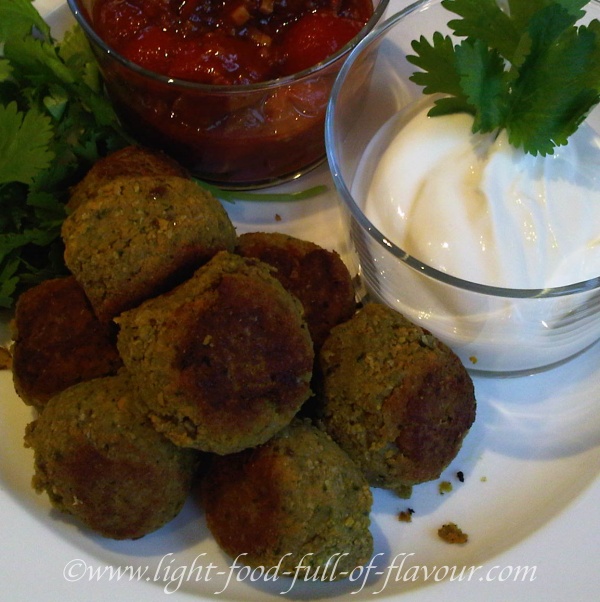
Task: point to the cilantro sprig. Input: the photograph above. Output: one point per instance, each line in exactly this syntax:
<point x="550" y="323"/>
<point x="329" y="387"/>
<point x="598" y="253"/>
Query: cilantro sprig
<point x="529" y="69"/>
<point x="55" y="122"/>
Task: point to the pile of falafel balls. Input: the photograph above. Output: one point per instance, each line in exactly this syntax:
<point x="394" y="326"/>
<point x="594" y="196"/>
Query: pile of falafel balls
<point x="179" y="357"/>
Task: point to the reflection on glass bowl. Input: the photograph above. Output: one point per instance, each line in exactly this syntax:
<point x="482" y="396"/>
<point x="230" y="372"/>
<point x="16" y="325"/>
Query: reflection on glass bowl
<point x="236" y="136"/>
<point x="494" y="329"/>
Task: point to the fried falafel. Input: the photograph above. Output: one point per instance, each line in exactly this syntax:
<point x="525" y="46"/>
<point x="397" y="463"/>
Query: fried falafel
<point x="98" y="458"/>
<point x="140" y="236"/>
<point x="297" y="500"/>
<point x="131" y="161"/>
<point x="58" y="341"/>
<point x="395" y="398"/>
<point x="318" y="277"/>
<point x="224" y="360"/>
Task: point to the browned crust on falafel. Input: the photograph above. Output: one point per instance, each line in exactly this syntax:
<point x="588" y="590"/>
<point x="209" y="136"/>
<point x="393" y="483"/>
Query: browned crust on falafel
<point x="131" y="161"/>
<point x="394" y="397"/>
<point x="98" y="458"/>
<point x="224" y="360"/>
<point x="58" y="341"/>
<point x="138" y="237"/>
<point x="298" y="499"/>
<point x="317" y="276"/>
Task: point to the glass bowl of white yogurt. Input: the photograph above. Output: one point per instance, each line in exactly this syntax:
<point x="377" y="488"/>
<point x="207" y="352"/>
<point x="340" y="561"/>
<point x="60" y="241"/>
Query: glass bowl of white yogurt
<point x="495" y="252"/>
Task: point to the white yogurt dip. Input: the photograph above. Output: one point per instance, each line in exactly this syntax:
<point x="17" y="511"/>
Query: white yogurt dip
<point x="474" y="207"/>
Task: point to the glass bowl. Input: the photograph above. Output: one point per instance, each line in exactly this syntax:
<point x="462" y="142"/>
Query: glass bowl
<point x="237" y="136"/>
<point x="494" y="330"/>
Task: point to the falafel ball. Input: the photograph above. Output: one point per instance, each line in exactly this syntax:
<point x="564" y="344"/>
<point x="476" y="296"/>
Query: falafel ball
<point x="318" y="277"/>
<point x="298" y="499"/>
<point x="58" y="341"/>
<point x="224" y="360"/>
<point x="140" y="236"/>
<point x="99" y="459"/>
<point x="133" y="161"/>
<point x="395" y="398"/>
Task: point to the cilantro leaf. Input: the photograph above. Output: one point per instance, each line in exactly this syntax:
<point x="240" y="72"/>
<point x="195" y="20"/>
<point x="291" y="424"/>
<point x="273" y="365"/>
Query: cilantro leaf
<point x="24" y="140"/>
<point x="530" y="69"/>
<point x="37" y="60"/>
<point x="485" y="21"/>
<point x="439" y="75"/>
<point x="482" y="78"/>
<point x="5" y="70"/>
<point x="75" y="51"/>
<point x="55" y="122"/>
<point x="556" y="88"/>
<point x="522" y="12"/>
<point x="19" y="17"/>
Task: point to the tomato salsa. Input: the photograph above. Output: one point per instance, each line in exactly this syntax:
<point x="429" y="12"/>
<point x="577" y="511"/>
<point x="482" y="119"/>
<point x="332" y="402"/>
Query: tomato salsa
<point x="229" y="41"/>
<point x="221" y="104"/>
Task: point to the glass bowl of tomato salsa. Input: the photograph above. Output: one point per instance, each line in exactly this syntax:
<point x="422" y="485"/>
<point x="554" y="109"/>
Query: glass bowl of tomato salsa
<point x="236" y="91"/>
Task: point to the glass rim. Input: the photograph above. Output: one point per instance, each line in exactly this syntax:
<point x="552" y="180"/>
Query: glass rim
<point x="80" y="16"/>
<point x="379" y="237"/>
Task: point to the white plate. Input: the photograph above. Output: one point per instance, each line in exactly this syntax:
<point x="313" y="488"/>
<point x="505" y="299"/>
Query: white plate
<point x="529" y="500"/>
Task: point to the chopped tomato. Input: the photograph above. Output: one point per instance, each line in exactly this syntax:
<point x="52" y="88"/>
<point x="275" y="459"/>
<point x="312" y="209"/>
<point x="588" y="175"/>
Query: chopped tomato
<point x="252" y="40"/>
<point x="314" y="37"/>
<point x="216" y="58"/>
<point x="119" y="20"/>
<point x="152" y="49"/>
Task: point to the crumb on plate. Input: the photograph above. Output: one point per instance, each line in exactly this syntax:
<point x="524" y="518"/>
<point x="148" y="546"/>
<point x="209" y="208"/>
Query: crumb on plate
<point x="405" y="516"/>
<point x="445" y="487"/>
<point x="451" y="533"/>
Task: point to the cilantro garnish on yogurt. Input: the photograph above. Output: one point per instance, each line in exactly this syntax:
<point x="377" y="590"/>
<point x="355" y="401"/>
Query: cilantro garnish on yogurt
<point x="526" y="66"/>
